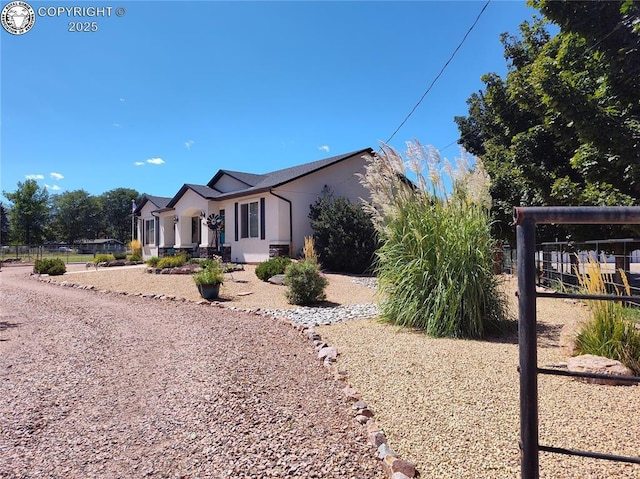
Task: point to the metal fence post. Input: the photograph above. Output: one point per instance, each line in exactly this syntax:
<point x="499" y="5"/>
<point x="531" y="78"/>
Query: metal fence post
<point x="525" y="232"/>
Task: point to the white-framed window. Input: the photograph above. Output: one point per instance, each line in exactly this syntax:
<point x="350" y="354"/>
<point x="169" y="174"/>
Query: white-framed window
<point x="249" y="220"/>
<point x="150" y="231"/>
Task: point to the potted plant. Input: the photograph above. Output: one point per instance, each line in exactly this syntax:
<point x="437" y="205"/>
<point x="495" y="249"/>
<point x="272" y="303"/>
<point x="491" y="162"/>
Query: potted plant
<point x="209" y="280"/>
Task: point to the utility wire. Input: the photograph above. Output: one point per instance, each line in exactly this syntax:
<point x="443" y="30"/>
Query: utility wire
<point x="539" y="103"/>
<point x="441" y="72"/>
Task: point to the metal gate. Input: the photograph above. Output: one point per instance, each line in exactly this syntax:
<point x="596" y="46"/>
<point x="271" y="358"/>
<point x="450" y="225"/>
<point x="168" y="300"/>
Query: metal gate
<point x="526" y="220"/>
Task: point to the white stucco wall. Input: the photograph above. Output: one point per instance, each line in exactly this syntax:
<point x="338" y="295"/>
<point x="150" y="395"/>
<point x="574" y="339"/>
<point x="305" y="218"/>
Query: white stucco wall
<point x="303" y="192"/>
<point x="189" y="205"/>
<point x="151" y="249"/>
<point x="226" y="184"/>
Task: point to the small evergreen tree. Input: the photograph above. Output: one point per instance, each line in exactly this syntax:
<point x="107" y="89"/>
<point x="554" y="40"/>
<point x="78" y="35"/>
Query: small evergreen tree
<point x="344" y="235"/>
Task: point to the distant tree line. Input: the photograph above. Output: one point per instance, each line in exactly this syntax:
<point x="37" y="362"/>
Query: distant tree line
<point x="35" y="216"/>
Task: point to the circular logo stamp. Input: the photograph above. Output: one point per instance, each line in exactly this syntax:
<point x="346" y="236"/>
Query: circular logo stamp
<point x="17" y="17"/>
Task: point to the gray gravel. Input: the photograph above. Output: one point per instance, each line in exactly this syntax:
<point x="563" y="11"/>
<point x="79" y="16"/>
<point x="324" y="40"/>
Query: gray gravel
<point x="323" y="316"/>
<point x="109" y="386"/>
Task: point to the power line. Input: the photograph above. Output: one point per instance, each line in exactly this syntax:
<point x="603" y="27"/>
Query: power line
<point x="440" y="73"/>
<point x="539" y="103"/>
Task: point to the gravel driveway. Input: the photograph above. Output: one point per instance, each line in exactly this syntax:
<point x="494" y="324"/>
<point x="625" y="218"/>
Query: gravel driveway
<point x="108" y="386"/>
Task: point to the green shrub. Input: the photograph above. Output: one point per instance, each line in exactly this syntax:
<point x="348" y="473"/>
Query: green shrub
<point x="50" y="266"/>
<point x="153" y="262"/>
<point x="271" y="267"/>
<point x="305" y="283"/>
<point x="120" y="255"/>
<point x="172" y="261"/>
<point x="211" y="274"/>
<point x="344" y="235"/>
<point x="134" y="257"/>
<point x="103" y="258"/>
<point x="609" y="332"/>
<point x="435" y="263"/>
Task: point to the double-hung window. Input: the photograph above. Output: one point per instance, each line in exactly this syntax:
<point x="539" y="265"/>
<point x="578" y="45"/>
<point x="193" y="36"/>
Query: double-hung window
<point x="249" y="220"/>
<point x="150" y="231"/>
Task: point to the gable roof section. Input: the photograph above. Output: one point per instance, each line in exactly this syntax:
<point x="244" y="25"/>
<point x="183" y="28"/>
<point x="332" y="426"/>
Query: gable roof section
<point x="279" y="177"/>
<point x="206" y="192"/>
<point x="249" y="179"/>
<point x="159" y="202"/>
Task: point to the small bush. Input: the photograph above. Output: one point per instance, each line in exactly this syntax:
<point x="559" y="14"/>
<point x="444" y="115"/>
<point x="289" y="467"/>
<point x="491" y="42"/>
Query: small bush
<point x="136" y="248"/>
<point x="153" y="262"/>
<point x="271" y="267"/>
<point x="120" y="255"/>
<point x="103" y="258"/>
<point x="134" y="257"/>
<point x="306" y="284"/>
<point x="50" y="266"/>
<point x="172" y="261"/>
<point x="211" y="274"/>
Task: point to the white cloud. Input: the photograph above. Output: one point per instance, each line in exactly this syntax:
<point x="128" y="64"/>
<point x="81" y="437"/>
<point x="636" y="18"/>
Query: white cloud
<point x="139" y="163"/>
<point x="56" y="176"/>
<point x="117" y="125"/>
<point x="324" y="148"/>
<point x="122" y="100"/>
<point x="34" y="177"/>
<point x="155" y="161"/>
<point x="52" y="187"/>
<point x="188" y="143"/>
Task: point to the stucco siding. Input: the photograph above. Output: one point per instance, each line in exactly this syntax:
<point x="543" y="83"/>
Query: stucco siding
<point x="303" y="192"/>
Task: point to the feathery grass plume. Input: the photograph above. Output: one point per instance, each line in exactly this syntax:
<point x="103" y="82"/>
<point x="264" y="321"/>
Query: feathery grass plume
<point x="608" y="333"/>
<point x="309" y="249"/>
<point x="435" y="263"/>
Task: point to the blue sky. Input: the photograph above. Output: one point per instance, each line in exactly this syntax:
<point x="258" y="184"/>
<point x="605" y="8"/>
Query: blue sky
<point x="170" y="92"/>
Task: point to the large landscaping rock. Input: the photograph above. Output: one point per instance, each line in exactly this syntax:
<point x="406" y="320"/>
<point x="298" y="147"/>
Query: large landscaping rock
<point x="588" y="363"/>
<point x="277" y="279"/>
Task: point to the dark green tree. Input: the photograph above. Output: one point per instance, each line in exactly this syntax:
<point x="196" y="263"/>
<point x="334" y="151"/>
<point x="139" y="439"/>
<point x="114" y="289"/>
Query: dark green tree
<point x="76" y="215"/>
<point x="4" y="225"/>
<point x="29" y="214"/>
<point x="344" y="236"/>
<point x="563" y="128"/>
<point x="116" y="212"/>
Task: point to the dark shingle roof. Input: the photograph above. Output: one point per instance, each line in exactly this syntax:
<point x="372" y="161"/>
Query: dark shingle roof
<point x="202" y="190"/>
<point x="263" y="182"/>
<point x="159" y="201"/>
<point x="249" y="179"/>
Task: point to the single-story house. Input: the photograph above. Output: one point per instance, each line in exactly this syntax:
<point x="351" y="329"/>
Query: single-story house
<point x="248" y="217"/>
<point x="103" y="245"/>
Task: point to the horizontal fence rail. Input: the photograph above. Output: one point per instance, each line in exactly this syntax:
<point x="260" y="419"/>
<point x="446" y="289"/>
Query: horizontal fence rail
<point x="526" y="220"/>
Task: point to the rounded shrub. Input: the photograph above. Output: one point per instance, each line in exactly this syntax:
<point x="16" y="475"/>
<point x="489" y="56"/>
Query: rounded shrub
<point x="103" y="258"/>
<point x="305" y="282"/>
<point x="153" y="261"/>
<point x="271" y="267"/>
<point x="50" y="266"/>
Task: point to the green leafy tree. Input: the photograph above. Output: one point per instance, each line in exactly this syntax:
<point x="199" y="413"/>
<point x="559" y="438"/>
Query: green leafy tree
<point x="344" y="234"/>
<point x="4" y="225"/>
<point x="563" y="128"/>
<point x="116" y="212"/>
<point x="29" y="213"/>
<point x="76" y="216"/>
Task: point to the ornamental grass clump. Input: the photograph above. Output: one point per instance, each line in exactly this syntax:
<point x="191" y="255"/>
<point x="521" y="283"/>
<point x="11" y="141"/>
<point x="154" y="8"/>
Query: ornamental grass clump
<point x="608" y="333"/>
<point x="435" y="263"/>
